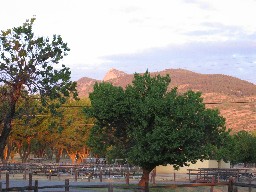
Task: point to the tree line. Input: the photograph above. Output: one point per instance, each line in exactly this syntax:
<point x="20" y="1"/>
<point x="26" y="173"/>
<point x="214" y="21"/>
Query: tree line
<point x="36" y="132"/>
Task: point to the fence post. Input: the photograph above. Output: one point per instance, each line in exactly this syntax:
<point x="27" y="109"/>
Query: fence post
<point x="50" y="175"/>
<point x="30" y="181"/>
<point x="110" y="188"/>
<point x="7" y="180"/>
<point x="146" y="189"/>
<point x="66" y="184"/>
<point x="100" y="176"/>
<point x="237" y="176"/>
<point x="230" y="185"/>
<point x="127" y="178"/>
<point x="36" y="186"/>
<point x="76" y="174"/>
<point x="89" y="177"/>
<point x="213" y="180"/>
<point x="58" y="175"/>
<point x="1" y="189"/>
<point x="250" y="184"/>
<point x="25" y="173"/>
<point x="174" y="176"/>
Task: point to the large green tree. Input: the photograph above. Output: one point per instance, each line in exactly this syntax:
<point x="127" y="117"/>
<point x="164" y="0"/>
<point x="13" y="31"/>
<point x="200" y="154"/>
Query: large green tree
<point x="28" y="62"/>
<point x="151" y="126"/>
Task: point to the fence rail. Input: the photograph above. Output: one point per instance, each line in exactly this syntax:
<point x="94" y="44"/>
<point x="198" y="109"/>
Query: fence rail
<point x="110" y="187"/>
<point x="232" y="186"/>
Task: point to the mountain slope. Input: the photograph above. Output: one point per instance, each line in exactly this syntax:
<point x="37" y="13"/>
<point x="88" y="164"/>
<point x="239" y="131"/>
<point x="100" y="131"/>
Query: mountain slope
<point x="85" y="86"/>
<point x="235" y="98"/>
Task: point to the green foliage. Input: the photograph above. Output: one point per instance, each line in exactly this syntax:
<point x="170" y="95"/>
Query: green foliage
<point x="75" y="126"/>
<point x="244" y="148"/>
<point x="223" y="151"/>
<point x="151" y="126"/>
<point x="29" y="63"/>
<point x="47" y="132"/>
<point x="29" y="60"/>
<point x="109" y="110"/>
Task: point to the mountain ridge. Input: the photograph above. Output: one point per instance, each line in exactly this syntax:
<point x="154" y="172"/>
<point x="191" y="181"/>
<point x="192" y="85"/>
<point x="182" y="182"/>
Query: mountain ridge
<point x="233" y="97"/>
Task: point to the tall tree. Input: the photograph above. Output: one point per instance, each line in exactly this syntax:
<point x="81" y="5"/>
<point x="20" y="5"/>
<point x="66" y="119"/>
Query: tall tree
<point x="28" y="62"/>
<point x="153" y="126"/>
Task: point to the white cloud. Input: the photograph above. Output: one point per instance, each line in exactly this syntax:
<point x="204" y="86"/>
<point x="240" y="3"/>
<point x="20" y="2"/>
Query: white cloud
<point x="98" y="28"/>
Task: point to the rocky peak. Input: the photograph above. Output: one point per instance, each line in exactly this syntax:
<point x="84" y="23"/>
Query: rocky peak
<point x="113" y="73"/>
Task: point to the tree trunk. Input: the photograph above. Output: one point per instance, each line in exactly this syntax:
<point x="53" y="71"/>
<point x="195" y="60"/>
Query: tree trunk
<point x="40" y="153"/>
<point x="6" y="128"/>
<point x="24" y="154"/>
<point x="25" y="157"/>
<point x="144" y="177"/>
<point x="58" y="153"/>
<point x="12" y="99"/>
<point x="7" y="151"/>
<point x="12" y="156"/>
<point x="72" y="156"/>
<point x="4" y="136"/>
<point x="5" y="155"/>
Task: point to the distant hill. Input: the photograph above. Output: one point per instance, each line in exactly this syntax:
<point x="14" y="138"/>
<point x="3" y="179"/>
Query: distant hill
<point x="85" y="86"/>
<point x="235" y="98"/>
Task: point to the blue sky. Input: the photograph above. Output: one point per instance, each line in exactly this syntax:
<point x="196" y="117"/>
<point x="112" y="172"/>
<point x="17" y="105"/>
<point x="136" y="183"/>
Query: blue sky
<point x="204" y="36"/>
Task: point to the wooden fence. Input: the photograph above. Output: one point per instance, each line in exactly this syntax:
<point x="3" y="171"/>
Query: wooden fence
<point x="110" y="187"/>
<point x="231" y="186"/>
<point x="85" y="170"/>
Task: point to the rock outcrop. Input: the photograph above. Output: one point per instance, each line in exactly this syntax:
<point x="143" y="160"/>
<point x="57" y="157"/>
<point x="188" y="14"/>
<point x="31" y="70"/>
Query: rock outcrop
<point x="113" y="73"/>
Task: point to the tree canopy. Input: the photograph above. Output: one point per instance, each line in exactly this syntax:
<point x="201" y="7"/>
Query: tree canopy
<point x="243" y="148"/>
<point x="151" y="126"/>
<point x="47" y="135"/>
<point x="28" y="62"/>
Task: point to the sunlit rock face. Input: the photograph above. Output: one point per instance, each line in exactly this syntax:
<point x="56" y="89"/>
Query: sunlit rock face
<point x="113" y="73"/>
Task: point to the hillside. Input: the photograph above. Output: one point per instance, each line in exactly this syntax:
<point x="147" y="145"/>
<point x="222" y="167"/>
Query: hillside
<point x="235" y="98"/>
<point x="85" y="86"/>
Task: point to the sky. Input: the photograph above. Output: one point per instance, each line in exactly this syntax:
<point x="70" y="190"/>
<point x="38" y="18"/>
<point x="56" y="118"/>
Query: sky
<point x="204" y="36"/>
